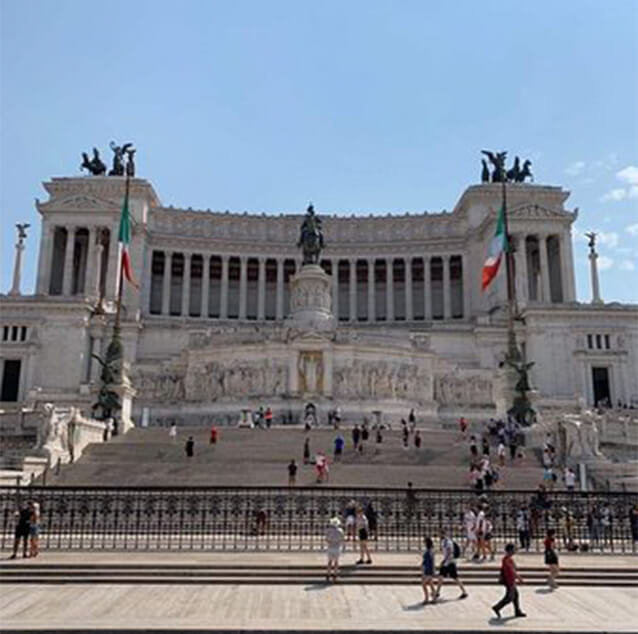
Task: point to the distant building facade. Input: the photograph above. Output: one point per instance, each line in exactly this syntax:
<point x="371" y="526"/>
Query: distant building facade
<point x="208" y="333"/>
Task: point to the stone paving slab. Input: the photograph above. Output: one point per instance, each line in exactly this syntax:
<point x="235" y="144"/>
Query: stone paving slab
<point x="313" y="607"/>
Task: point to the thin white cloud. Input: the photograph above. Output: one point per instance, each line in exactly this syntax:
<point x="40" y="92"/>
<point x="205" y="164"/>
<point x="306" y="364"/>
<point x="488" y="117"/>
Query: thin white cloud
<point x="615" y="194"/>
<point x="604" y="263"/>
<point x="575" y="168"/>
<point x="627" y="265"/>
<point x="633" y="192"/>
<point x="609" y="239"/>
<point x="632" y="229"/>
<point x="628" y="175"/>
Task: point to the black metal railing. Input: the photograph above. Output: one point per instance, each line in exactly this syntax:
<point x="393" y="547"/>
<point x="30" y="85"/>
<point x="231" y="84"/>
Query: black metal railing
<point x="274" y="518"/>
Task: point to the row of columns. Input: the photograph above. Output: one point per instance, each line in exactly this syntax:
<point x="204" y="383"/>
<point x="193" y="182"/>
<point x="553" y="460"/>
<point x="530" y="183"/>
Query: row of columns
<point x="92" y="262"/>
<point x="279" y="302"/>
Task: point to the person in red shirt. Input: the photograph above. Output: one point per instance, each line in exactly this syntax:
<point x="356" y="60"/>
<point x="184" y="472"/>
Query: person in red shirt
<point x="213" y="435"/>
<point x="509" y="578"/>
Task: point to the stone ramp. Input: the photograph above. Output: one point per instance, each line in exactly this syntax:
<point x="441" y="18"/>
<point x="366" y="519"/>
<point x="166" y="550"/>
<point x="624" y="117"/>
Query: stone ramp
<point x="254" y="457"/>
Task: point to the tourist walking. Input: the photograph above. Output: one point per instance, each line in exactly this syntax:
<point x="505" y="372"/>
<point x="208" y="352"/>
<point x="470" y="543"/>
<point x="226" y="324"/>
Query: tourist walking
<point x="469" y="524"/>
<point x="334" y="544"/>
<point x="363" y="528"/>
<point x="213" y="435"/>
<point x="351" y="519"/>
<point x="34" y="529"/>
<point x="172" y="431"/>
<point x="551" y="558"/>
<point x="22" y="530"/>
<point x="633" y="526"/>
<point x="292" y="473"/>
<point x="522" y="526"/>
<point x="509" y="578"/>
<point x="306" y="451"/>
<point x="189" y="447"/>
<point x="417" y="439"/>
<point x="339" y="445"/>
<point x="356" y="436"/>
<point x="365" y="434"/>
<point x="268" y="417"/>
<point x="427" y="570"/>
<point x="371" y="514"/>
<point x="570" y="479"/>
<point x="448" y="570"/>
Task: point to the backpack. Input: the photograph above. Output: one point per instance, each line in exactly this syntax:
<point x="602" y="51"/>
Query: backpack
<point x="456" y="550"/>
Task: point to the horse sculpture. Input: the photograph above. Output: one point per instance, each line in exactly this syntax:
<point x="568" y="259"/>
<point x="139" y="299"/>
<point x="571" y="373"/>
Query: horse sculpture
<point x="95" y="165"/>
<point x="311" y="237"/>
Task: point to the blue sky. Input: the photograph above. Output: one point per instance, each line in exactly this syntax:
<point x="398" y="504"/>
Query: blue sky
<point x="359" y="106"/>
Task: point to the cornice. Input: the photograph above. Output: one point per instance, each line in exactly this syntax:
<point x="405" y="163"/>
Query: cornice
<point x="104" y="187"/>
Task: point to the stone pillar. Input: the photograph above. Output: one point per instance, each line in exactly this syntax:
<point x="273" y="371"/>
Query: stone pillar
<point x="389" y="289"/>
<point x="91" y="270"/>
<point x="542" y="248"/>
<point x="166" y="282"/>
<point x="564" y="275"/>
<point x="409" y="311"/>
<point x="99" y="254"/>
<point x="44" y="259"/>
<point x="261" y="289"/>
<point x="427" y="287"/>
<point x="520" y="263"/>
<point x="113" y="266"/>
<point x="186" y="284"/>
<point x="146" y="280"/>
<point x="593" y="268"/>
<point x="223" y="296"/>
<point x="468" y="279"/>
<point x="335" y="287"/>
<point x="371" y="298"/>
<point x="353" y="289"/>
<point x="243" y="273"/>
<point x="447" y="312"/>
<point x="279" y="313"/>
<point x="205" y="285"/>
<point x="17" y="268"/>
<point x="570" y="285"/>
<point x="67" y="279"/>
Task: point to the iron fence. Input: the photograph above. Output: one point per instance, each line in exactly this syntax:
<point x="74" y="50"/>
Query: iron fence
<point x="277" y="518"/>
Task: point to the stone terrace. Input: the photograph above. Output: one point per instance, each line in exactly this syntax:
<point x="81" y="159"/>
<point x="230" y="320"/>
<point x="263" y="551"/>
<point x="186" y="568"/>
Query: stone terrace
<point x="254" y="457"/>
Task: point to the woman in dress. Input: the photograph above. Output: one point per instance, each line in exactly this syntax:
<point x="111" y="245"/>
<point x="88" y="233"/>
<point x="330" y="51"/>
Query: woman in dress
<point x="551" y="558"/>
<point x="362" y="531"/>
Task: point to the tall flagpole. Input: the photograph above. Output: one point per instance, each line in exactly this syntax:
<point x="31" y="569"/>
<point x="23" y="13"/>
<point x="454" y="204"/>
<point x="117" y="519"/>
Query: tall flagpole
<point x="120" y="281"/>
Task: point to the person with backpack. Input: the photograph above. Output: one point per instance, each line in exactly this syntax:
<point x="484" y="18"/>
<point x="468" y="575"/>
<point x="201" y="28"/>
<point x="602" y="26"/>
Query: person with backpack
<point x="451" y="552"/>
<point x="509" y="577"/>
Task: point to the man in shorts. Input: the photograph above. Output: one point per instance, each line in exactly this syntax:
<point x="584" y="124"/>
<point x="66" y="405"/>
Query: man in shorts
<point x="448" y="566"/>
<point x="334" y="544"/>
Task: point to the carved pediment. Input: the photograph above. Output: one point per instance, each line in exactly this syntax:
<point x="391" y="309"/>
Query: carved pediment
<point x="79" y="202"/>
<point x="537" y="212"/>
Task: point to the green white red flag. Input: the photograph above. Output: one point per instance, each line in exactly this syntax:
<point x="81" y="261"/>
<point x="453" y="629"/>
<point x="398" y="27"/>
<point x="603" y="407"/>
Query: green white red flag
<point x="498" y="247"/>
<point x="124" y="238"/>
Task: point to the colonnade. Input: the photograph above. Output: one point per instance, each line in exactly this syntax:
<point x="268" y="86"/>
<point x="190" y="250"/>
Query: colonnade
<point x="370" y="289"/>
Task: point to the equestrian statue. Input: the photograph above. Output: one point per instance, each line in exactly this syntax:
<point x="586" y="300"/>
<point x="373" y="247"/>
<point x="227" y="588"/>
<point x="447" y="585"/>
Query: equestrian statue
<point x="311" y="237"/>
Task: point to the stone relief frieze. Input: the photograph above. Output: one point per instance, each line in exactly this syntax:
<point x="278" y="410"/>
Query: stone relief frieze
<point x="455" y="389"/>
<point x="310" y="295"/>
<point x="166" y="386"/>
<point x="374" y="379"/>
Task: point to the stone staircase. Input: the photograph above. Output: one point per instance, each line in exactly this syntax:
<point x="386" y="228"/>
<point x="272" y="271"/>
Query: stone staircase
<point x="254" y="457"/>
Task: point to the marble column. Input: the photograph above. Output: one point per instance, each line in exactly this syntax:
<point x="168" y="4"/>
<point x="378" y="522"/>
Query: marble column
<point x="409" y="311"/>
<point x="91" y="270"/>
<point x="223" y="296"/>
<point x="569" y="284"/>
<point x="67" y="280"/>
<point x="243" y="278"/>
<point x="595" y="285"/>
<point x="205" y="285"/>
<point x="146" y="280"/>
<point x="335" y="287"/>
<point x="44" y="259"/>
<point x="113" y="266"/>
<point x="371" y="297"/>
<point x="564" y="275"/>
<point x="261" y="289"/>
<point x="17" y="268"/>
<point x="447" y="309"/>
<point x="186" y="284"/>
<point x="427" y="287"/>
<point x="99" y="255"/>
<point x="353" y="289"/>
<point x="280" y="289"/>
<point x="166" y="282"/>
<point x="389" y="289"/>
<point x="520" y="263"/>
<point x="467" y="287"/>
<point x="542" y="248"/>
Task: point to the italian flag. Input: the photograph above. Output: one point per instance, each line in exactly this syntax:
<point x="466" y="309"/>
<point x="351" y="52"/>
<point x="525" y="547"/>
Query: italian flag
<point x="124" y="238"/>
<point x="498" y="246"/>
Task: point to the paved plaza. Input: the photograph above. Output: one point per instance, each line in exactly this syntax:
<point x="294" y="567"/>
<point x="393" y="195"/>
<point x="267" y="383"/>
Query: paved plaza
<point x="308" y="604"/>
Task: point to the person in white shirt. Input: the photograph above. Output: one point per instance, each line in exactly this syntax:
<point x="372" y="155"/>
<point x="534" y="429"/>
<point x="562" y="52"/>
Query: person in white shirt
<point x="335" y="539"/>
<point x="500" y="452"/>
<point x="469" y="524"/>
<point x="448" y="566"/>
<point x="570" y="479"/>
